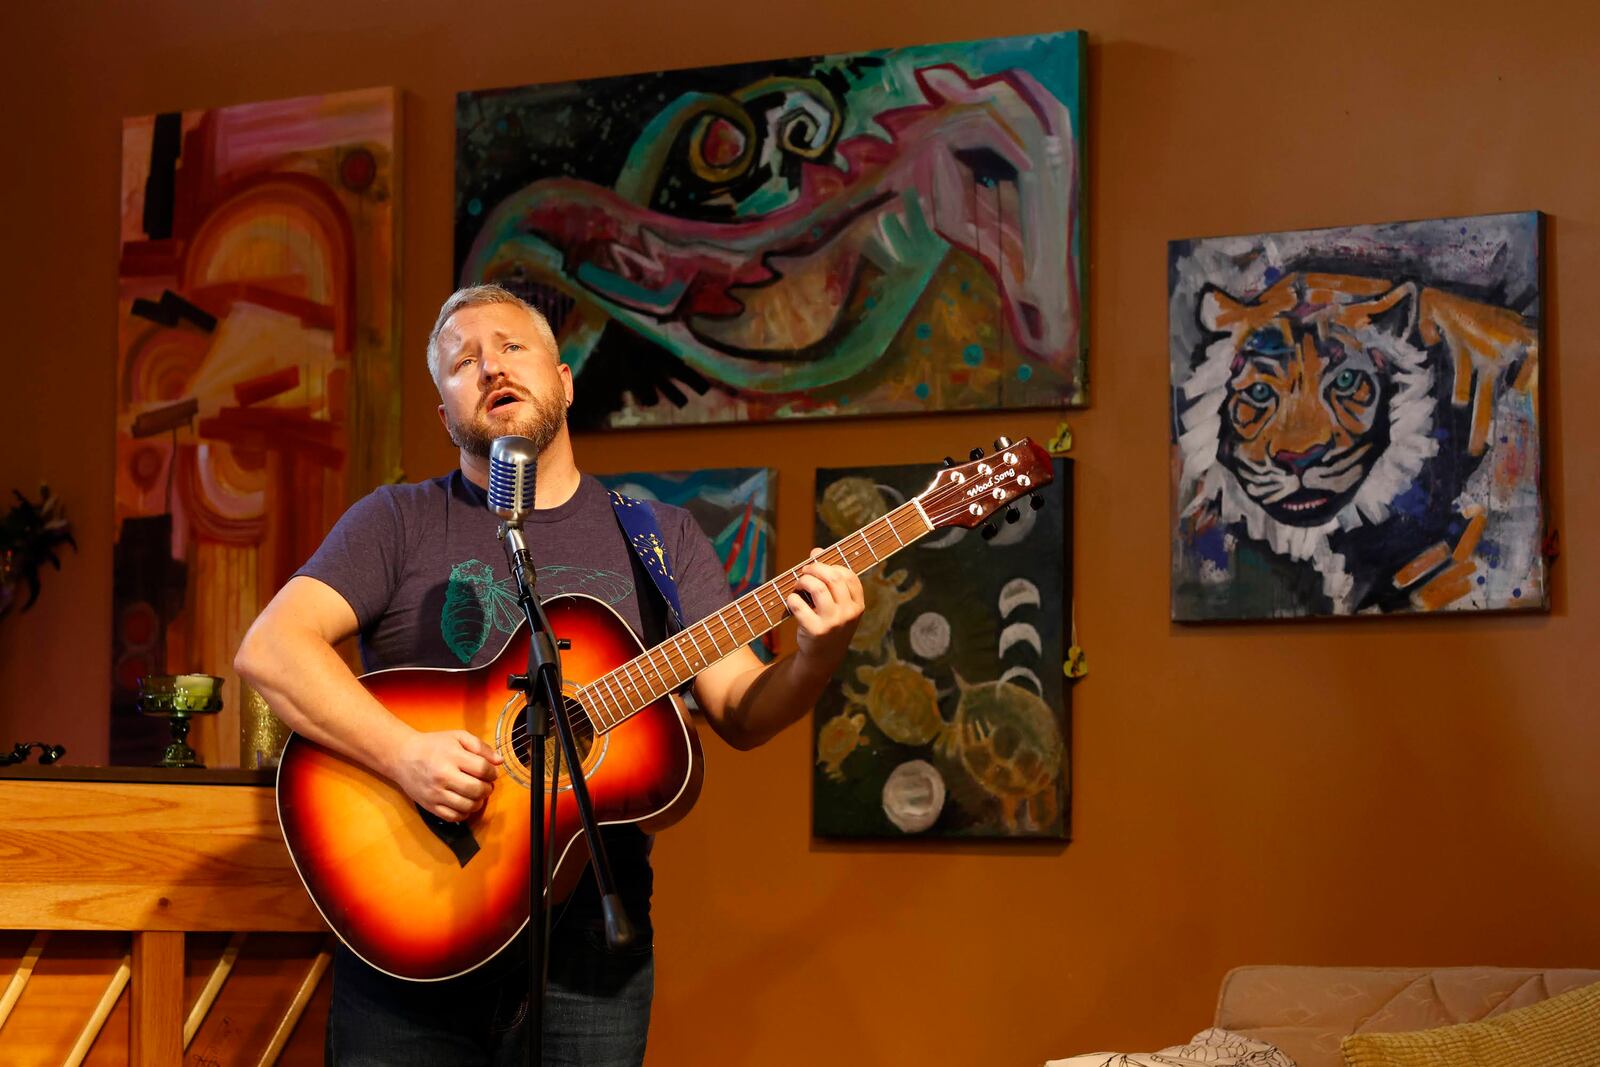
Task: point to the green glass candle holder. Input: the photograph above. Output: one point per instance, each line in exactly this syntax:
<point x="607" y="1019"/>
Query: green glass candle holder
<point x="178" y="698"/>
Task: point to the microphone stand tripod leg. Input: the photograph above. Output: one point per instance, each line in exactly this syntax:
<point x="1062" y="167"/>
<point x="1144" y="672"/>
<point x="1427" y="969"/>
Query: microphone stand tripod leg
<point x="538" y="887"/>
<point x="619" y="931"/>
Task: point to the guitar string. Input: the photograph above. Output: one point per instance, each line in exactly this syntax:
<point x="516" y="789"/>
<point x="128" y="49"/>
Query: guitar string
<point x="519" y="737"/>
<point x="937" y="499"/>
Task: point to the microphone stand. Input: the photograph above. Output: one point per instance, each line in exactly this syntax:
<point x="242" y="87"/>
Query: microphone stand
<point x="541" y="688"/>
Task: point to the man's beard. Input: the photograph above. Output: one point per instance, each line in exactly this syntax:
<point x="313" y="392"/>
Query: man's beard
<point x="540" y="425"/>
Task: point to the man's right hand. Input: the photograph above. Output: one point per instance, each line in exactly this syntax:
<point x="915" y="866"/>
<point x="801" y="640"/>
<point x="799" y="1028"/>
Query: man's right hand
<point x="450" y="773"/>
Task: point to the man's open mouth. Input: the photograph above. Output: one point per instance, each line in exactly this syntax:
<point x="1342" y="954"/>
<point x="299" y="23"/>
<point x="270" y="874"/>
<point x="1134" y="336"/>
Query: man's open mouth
<point x="501" y="398"/>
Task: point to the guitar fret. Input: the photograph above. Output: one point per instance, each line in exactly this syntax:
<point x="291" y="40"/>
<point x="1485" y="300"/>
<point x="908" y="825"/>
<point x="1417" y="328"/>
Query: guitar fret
<point x="742" y="617"/>
<point x="631" y="689"/>
<point x="588" y="698"/>
<point x="650" y="661"/>
<point x="732" y="638"/>
<point x="644" y="685"/>
<point x="670" y="646"/>
<point x="611" y="692"/>
<point x="713" y="636"/>
<point x="640" y="695"/>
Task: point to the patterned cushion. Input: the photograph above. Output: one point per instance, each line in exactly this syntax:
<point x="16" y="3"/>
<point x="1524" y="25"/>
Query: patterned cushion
<point x="1563" y="1031"/>
<point x="1211" y="1048"/>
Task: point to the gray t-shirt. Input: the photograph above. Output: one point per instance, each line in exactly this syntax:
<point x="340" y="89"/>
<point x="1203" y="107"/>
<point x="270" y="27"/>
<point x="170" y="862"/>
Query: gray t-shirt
<point x="420" y="566"/>
<point x="427" y="578"/>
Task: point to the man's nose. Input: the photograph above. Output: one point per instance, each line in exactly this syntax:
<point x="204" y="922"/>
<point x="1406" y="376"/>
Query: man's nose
<point x="490" y="366"/>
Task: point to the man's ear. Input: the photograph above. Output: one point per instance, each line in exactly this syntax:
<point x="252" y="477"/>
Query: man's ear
<point x="566" y="382"/>
<point x="442" y="420"/>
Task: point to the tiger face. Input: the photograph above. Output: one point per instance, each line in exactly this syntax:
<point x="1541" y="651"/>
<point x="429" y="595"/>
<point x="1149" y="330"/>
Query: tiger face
<point x="1306" y="407"/>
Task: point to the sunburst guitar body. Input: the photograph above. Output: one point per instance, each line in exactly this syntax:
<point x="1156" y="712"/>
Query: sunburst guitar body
<point x="424" y="900"/>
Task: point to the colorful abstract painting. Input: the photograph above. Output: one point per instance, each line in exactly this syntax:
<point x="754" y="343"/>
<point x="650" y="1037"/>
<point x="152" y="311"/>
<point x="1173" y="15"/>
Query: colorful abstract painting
<point x="733" y="506"/>
<point x="257" y="372"/>
<point x="889" y="231"/>
<point x="1355" y="420"/>
<point x="949" y="717"/>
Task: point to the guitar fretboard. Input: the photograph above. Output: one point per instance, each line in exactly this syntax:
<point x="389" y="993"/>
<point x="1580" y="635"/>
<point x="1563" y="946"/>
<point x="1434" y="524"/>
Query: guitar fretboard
<point x="648" y="677"/>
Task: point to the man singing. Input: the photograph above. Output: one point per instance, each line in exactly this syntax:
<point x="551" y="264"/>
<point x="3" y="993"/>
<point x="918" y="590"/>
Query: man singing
<point x="415" y="571"/>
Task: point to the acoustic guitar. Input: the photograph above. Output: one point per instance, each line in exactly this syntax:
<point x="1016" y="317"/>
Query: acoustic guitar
<point x="423" y="899"/>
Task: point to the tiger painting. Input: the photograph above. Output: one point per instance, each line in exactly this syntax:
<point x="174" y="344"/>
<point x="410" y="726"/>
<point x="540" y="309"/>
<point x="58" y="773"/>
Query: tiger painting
<point x="1354" y="444"/>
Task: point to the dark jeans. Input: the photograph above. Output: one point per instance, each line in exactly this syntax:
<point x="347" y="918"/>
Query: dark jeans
<point x="597" y="1010"/>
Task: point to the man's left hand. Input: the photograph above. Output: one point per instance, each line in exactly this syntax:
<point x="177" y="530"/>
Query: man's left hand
<point x="829" y="620"/>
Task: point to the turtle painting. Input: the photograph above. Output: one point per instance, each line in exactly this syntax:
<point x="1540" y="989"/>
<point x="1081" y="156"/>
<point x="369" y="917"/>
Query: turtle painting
<point x="949" y="717"/>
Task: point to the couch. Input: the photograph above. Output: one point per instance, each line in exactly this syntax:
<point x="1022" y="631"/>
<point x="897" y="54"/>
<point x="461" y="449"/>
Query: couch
<point x="1305" y="1011"/>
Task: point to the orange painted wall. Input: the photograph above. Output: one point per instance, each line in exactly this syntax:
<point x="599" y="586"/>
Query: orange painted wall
<point x="1383" y="791"/>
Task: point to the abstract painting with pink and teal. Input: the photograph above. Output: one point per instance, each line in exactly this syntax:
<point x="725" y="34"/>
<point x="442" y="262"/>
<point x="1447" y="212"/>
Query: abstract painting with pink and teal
<point x="876" y="232"/>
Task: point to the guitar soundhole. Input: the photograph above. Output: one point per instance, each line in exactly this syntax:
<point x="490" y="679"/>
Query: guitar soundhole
<point x="582" y="736"/>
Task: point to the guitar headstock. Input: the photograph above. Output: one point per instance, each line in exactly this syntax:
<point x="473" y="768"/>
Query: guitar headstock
<point x="968" y="493"/>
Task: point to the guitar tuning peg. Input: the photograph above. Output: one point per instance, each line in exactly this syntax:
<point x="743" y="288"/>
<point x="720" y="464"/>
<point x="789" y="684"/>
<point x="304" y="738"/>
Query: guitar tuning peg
<point x="948" y="462"/>
<point x="1002" y="443"/>
<point x="988" y="530"/>
<point x="1036" y="502"/>
<point x="976" y="453"/>
<point x="1012" y="514"/>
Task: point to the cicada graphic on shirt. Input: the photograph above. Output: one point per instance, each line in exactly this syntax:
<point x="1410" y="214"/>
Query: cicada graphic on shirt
<point x="478" y="606"/>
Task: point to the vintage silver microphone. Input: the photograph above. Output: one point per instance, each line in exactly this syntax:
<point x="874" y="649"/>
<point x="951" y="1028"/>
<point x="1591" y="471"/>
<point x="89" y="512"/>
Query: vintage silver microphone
<point x="513" y="465"/>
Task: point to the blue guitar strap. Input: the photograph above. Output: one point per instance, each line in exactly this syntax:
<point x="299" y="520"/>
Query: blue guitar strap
<point x="639" y="525"/>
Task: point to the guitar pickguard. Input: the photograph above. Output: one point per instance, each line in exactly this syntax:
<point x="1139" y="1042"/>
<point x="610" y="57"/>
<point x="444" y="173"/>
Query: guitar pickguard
<point x="456" y="836"/>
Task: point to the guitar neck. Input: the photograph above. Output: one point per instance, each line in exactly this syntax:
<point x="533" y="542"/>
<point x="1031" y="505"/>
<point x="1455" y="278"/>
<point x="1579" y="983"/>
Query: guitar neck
<point x="649" y="676"/>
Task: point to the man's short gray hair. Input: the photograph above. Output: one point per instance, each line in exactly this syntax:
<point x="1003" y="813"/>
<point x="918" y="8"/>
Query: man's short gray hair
<point x="478" y="296"/>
